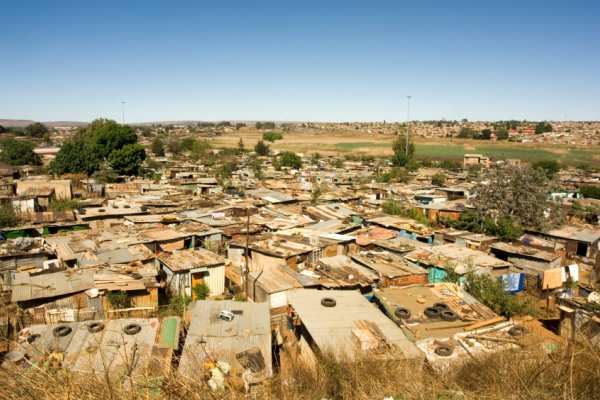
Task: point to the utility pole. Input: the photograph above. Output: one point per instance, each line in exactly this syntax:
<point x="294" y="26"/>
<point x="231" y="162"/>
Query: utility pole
<point x="407" y="123"/>
<point x="246" y="271"/>
<point x="122" y="112"/>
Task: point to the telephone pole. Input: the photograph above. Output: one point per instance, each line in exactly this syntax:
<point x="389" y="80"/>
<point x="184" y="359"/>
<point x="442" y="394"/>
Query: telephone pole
<point x="407" y="123"/>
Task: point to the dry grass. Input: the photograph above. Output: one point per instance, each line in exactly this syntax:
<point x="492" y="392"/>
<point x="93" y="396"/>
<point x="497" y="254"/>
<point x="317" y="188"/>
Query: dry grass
<point x="564" y="374"/>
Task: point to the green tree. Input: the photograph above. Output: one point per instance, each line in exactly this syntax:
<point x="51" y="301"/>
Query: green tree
<point x="107" y="135"/>
<point x="92" y="145"/>
<point x="290" y="159"/>
<point x="36" y="130"/>
<point x="3" y="129"/>
<point x="200" y="150"/>
<point x="403" y="151"/>
<point x="549" y="167"/>
<point x="256" y="165"/>
<point x="543" y="127"/>
<point x="590" y="192"/>
<point x="466" y="133"/>
<point x="18" y="152"/>
<point x="76" y="156"/>
<point x="261" y="148"/>
<point x="187" y="144"/>
<point x="128" y="160"/>
<point x="486" y="134"/>
<point x="158" y="147"/>
<point x="265" y="125"/>
<point x="501" y="134"/>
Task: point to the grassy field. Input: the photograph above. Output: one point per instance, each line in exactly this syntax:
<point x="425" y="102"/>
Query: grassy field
<point x="328" y="143"/>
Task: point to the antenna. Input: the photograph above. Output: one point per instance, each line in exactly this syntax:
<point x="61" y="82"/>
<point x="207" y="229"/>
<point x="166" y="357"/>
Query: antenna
<point x="123" y="112"/>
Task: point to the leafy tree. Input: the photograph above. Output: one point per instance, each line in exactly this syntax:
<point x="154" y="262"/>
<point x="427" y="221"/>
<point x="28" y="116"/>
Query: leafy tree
<point x="256" y="165"/>
<point x="107" y="135"/>
<point x="7" y="216"/>
<point x="486" y="134"/>
<point x="543" y="127"/>
<point x="315" y="158"/>
<point x="466" y="133"/>
<point x="501" y="134"/>
<point x="128" y="160"/>
<point x="550" y="167"/>
<point x="261" y="148"/>
<point x="271" y="136"/>
<point x="158" y="147"/>
<point x="200" y="150"/>
<point x="438" y="179"/>
<point x="105" y="175"/>
<point x="403" y="151"/>
<point x="187" y="144"/>
<point x="174" y="146"/>
<point x="265" y="125"/>
<point x="490" y="292"/>
<point x="504" y="228"/>
<point x="19" y="152"/>
<point x="76" y="156"/>
<point x="3" y="129"/>
<point x="590" y="192"/>
<point x="518" y="193"/>
<point x="92" y="145"/>
<point x="36" y="130"/>
<point x="290" y="159"/>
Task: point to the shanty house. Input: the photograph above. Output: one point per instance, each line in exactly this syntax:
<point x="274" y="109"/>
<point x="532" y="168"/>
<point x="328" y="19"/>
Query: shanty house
<point x="186" y="269"/>
<point x="242" y="341"/>
<point x="345" y="324"/>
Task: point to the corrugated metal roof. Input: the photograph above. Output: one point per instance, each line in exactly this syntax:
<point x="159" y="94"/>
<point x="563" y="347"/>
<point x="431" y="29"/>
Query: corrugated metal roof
<point x="208" y="335"/>
<point x="27" y="287"/>
<point x="331" y="327"/>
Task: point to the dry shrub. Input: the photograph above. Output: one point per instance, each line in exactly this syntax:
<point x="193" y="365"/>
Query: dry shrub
<point x="567" y="373"/>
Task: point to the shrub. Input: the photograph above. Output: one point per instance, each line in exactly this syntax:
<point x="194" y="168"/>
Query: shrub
<point x="590" y="192"/>
<point x="64" y="205"/>
<point x="491" y="292"/>
<point x="7" y="216"/>
<point x="200" y="291"/>
<point x="261" y="148"/>
<point x="271" y="136"/>
<point x="290" y="159"/>
<point x="118" y="299"/>
<point x="438" y="179"/>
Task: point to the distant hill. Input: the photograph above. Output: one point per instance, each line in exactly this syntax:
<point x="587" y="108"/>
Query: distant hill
<point x="25" y="122"/>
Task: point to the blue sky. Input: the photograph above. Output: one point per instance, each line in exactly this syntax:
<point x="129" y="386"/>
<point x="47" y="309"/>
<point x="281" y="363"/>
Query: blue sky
<point x="301" y="60"/>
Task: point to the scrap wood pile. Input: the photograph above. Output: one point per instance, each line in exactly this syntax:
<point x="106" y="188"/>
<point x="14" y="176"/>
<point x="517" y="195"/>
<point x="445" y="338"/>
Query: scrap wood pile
<point x="369" y="337"/>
